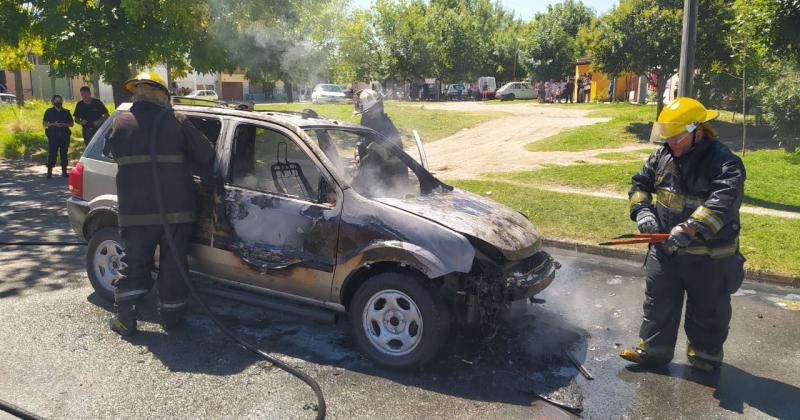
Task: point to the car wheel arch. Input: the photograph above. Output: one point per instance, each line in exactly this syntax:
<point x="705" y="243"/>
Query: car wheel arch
<point x="99" y="218"/>
<point x="360" y="276"/>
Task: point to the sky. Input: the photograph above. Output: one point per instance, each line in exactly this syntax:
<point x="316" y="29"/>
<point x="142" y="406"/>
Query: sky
<point x="525" y="9"/>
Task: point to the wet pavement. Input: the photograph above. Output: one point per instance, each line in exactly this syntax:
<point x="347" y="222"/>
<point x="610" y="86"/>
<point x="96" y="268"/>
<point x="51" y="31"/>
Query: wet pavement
<point x="58" y="359"/>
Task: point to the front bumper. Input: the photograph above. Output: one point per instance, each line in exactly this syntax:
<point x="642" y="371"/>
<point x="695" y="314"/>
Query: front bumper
<point x="77" y="210"/>
<point x="519" y="281"/>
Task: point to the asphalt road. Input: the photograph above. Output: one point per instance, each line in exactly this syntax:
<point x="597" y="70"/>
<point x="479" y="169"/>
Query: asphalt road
<point x="58" y="359"/>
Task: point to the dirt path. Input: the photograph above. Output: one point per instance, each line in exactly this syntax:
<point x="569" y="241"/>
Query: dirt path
<point x="499" y="145"/>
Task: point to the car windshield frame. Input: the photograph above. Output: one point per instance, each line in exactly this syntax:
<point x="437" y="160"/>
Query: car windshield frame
<point x="428" y="183"/>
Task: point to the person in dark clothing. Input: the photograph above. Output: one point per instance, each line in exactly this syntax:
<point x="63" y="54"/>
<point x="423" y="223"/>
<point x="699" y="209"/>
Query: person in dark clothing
<point x="377" y="163"/>
<point x="698" y="185"/>
<point x="369" y="105"/>
<point x="569" y="90"/>
<point x="180" y="147"/>
<point x="89" y="113"/>
<point x="57" y="121"/>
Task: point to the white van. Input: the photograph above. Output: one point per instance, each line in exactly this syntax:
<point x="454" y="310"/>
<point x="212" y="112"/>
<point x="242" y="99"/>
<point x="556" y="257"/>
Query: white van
<point x="488" y="84"/>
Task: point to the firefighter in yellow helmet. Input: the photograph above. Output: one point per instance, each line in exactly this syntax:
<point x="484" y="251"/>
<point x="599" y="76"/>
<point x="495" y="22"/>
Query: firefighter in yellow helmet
<point x="691" y="188"/>
<point x="180" y="147"/>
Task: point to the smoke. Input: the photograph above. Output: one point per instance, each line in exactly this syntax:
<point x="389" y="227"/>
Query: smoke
<point x="268" y="41"/>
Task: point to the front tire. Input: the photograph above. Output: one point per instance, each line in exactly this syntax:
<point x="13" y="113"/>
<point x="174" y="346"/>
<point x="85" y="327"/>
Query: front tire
<point x="399" y="320"/>
<point x="104" y="261"/>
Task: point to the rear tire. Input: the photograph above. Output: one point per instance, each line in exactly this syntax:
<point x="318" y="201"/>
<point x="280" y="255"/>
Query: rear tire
<point x="399" y="320"/>
<point x="103" y="260"/>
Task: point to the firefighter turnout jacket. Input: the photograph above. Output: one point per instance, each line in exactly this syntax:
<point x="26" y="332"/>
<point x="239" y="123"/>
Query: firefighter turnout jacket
<point x="180" y="148"/>
<point x="704" y="187"/>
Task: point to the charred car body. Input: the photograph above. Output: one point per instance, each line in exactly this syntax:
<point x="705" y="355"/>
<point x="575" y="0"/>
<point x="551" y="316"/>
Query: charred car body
<point x="333" y="215"/>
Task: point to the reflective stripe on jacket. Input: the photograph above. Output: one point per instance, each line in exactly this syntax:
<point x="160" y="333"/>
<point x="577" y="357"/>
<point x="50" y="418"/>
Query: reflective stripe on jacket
<point x="180" y="148"/>
<point x="704" y="187"/>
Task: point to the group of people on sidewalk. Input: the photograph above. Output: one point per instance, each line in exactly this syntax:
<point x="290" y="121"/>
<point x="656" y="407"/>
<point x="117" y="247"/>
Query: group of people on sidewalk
<point x="89" y="113"/>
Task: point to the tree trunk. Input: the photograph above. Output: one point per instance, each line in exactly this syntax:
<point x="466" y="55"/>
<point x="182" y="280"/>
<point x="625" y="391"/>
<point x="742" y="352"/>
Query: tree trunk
<point x="18" y="87"/>
<point x="120" y="93"/>
<point x="289" y="94"/>
<point x="661" y="84"/>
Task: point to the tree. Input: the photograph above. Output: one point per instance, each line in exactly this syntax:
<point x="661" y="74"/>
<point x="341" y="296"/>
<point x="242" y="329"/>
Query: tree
<point x="548" y="52"/>
<point x="358" y="55"/>
<point x="641" y="36"/>
<point x="16" y="42"/>
<point x="550" y="47"/>
<point x="111" y="38"/>
<point x="401" y="27"/>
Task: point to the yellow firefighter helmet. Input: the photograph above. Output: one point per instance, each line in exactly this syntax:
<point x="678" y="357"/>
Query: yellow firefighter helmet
<point x="149" y="77"/>
<point x="683" y="115"/>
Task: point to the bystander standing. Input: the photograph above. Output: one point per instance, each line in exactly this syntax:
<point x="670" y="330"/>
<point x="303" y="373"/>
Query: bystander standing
<point x="57" y="121"/>
<point x="89" y="113"/>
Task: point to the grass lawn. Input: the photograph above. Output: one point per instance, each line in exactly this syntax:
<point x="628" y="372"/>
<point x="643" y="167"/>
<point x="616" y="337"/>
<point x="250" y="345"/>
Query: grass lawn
<point x="769" y="243"/>
<point x="22" y="134"/>
<point x="431" y="124"/>
<point x="629" y="123"/>
<point x="773" y="178"/>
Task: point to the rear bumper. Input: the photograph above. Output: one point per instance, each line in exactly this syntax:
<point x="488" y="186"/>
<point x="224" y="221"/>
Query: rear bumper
<point x="77" y="210"/>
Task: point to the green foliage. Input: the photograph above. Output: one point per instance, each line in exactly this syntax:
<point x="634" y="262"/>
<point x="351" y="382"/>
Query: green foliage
<point x="549" y="48"/>
<point x="782" y="103"/>
<point x="22" y="135"/>
<point x="402" y="29"/>
<point x="774" y="24"/>
<point x="359" y="56"/>
<point x="640" y="36"/>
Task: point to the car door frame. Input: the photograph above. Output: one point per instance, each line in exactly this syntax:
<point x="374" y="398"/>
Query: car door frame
<point x="232" y="269"/>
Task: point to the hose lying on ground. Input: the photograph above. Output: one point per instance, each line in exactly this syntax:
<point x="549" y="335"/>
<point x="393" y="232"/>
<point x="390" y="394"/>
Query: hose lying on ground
<point x="18" y="412"/>
<point x="41" y="243"/>
<point x="171" y="241"/>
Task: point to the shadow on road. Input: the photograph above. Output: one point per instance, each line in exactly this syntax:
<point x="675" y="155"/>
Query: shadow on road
<point x="523" y="362"/>
<point x="734" y="387"/>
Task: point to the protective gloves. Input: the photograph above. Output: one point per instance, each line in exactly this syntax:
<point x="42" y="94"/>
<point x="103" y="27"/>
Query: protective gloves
<point x="646" y="221"/>
<point x="680" y="237"/>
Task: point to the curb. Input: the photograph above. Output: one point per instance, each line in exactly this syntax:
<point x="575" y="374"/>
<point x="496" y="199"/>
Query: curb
<point x="760" y="276"/>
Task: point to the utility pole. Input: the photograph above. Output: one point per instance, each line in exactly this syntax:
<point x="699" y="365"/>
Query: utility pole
<point x="688" y="41"/>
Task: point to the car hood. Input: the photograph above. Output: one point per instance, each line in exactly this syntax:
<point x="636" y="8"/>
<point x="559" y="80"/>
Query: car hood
<point x="477" y="217"/>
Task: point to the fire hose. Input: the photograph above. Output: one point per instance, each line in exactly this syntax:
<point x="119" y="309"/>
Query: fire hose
<point x="239" y="340"/>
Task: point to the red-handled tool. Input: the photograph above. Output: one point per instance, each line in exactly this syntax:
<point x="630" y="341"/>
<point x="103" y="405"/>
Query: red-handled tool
<point x="638" y="238"/>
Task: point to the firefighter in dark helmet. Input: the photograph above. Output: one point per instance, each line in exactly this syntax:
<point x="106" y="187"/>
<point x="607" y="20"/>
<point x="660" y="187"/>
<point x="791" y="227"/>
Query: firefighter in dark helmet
<point x="179" y="148"/>
<point x="691" y="188"/>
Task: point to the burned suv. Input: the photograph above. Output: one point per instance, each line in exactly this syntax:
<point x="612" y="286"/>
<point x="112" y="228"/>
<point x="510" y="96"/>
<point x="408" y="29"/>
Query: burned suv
<point x="333" y="215"/>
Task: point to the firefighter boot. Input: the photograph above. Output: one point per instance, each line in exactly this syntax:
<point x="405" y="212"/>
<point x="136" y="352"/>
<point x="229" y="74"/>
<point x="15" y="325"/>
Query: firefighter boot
<point x="646" y="357"/>
<point x="123" y="322"/>
<point x="702" y="360"/>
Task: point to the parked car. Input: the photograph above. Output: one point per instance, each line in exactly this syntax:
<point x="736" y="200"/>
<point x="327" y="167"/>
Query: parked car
<point x="456" y="92"/>
<point x="516" y="90"/>
<point x="332" y="214"/>
<point x="7" y="99"/>
<point x="203" y="94"/>
<point x="327" y="93"/>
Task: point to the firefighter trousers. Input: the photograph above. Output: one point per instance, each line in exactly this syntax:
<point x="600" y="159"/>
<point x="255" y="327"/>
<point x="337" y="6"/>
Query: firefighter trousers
<point x="140" y="246"/>
<point x="707" y="285"/>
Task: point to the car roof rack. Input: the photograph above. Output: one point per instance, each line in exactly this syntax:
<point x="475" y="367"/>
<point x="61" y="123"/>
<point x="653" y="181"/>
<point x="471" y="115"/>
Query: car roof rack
<point x="183" y="100"/>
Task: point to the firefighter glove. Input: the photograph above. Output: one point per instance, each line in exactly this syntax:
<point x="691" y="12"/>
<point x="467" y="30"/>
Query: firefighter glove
<point x="680" y="237"/>
<point x="646" y="221"/>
